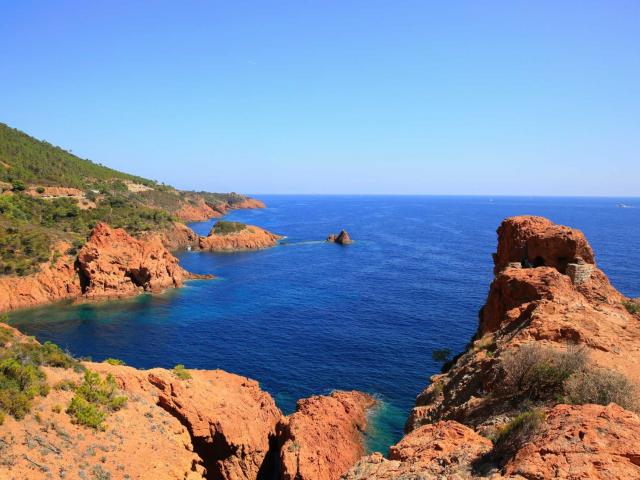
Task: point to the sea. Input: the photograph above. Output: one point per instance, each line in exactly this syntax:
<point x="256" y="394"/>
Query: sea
<point x="308" y="317"/>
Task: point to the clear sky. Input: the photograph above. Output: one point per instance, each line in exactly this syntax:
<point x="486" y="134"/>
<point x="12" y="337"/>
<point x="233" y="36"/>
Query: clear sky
<point x="369" y="96"/>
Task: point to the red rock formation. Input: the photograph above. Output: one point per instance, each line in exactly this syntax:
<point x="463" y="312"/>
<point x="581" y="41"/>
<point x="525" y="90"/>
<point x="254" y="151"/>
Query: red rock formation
<point x="113" y="264"/>
<point x="232" y="422"/>
<point x="197" y="211"/>
<point x="248" y="203"/>
<point x="342" y="238"/>
<point x="440" y="450"/>
<point x="323" y="438"/>
<point x="533" y="305"/>
<point x="539" y="242"/>
<point x="582" y="441"/>
<point x="178" y="237"/>
<point x="54" y="282"/>
<point x="250" y="238"/>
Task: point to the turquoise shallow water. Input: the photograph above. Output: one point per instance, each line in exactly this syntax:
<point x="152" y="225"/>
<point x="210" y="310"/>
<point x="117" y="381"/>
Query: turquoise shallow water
<point x="307" y="317"/>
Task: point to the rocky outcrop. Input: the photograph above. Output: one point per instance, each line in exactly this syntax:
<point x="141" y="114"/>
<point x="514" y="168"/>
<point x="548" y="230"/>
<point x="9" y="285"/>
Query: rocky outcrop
<point x="232" y="422"/>
<point x="56" y="280"/>
<point x="342" y="238"/>
<point x="247" y="203"/>
<point x="581" y="441"/>
<point x="536" y="241"/>
<point x="178" y="237"/>
<point x="324" y="437"/>
<point x="440" y="450"/>
<point x="547" y="296"/>
<point x="113" y="264"/>
<point x="197" y="210"/>
<point x="526" y="305"/>
<point x="249" y="238"/>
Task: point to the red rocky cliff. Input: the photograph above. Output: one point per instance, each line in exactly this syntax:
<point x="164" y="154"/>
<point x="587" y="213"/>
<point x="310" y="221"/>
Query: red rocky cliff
<point x="324" y="437"/>
<point x="114" y="264"/>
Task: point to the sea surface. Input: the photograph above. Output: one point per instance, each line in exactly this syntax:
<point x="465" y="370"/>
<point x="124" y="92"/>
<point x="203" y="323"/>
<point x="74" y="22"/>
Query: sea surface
<point x="308" y="317"/>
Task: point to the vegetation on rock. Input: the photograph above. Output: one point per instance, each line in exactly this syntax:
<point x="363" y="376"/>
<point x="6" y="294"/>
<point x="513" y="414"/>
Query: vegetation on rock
<point x="225" y="228"/>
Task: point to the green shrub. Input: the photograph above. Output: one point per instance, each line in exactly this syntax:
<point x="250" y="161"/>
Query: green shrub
<point x="18" y="186"/>
<point x="509" y="438"/>
<point x="86" y="413"/>
<point x="40" y="190"/>
<point x="94" y="398"/>
<point x="632" y="306"/>
<point x="113" y="361"/>
<point x="602" y="387"/>
<point x="181" y="372"/>
<point x="225" y="228"/>
<point x="19" y="385"/>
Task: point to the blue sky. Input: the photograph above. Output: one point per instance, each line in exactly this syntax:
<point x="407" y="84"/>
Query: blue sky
<point x="417" y="97"/>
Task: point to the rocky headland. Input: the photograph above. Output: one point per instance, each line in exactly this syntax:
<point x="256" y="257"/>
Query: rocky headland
<point x="111" y="264"/>
<point x="199" y="210"/>
<point x="234" y="236"/>
<point x="548" y="386"/>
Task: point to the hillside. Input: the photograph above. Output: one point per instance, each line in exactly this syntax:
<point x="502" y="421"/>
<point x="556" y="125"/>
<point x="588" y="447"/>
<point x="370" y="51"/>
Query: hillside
<point x="50" y="197"/>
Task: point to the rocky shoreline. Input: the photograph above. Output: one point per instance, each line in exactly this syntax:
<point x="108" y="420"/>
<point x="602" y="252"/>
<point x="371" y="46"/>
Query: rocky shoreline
<point x="113" y="264"/>
<point x="545" y="389"/>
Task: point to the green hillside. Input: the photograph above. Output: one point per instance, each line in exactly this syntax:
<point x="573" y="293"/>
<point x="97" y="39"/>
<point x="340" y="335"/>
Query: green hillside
<point x="34" y="215"/>
<point x="28" y="160"/>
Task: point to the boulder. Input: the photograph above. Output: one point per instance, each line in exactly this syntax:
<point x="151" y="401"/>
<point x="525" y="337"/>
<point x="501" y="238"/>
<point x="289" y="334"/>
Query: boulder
<point x="324" y="437"/>
<point x="536" y="241"/>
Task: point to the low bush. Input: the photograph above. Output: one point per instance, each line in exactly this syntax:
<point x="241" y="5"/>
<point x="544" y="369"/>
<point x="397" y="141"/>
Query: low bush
<point x="509" y="438"/>
<point x="86" y="413"/>
<point x="538" y="373"/>
<point x="94" y="399"/>
<point x="113" y="361"/>
<point x="632" y="306"/>
<point x="19" y="385"/>
<point x="181" y="372"/>
<point x="21" y="379"/>
<point x="601" y="386"/>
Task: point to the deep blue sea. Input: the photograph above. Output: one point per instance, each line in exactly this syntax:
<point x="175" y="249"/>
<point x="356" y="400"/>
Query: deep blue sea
<point x="308" y="317"/>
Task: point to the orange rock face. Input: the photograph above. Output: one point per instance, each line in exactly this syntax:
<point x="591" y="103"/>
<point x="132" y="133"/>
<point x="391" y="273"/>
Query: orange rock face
<point x="179" y="237"/>
<point x="582" y="441"/>
<point x="53" y="283"/>
<point x="248" y="203"/>
<point x="232" y="422"/>
<point x="198" y="211"/>
<point x="114" y="264"/>
<point x="323" y="438"/>
<point x="250" y="238"/>
<point x="439" y="450"/>
<point x="540" y="242"/>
